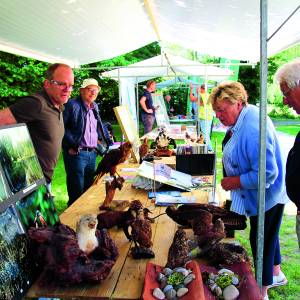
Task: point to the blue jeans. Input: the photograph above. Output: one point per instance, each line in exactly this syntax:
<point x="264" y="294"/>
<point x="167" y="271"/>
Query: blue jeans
<point x="80" y="170"/>
<point x="148" y="121"/>
<point x="205" y="126"/>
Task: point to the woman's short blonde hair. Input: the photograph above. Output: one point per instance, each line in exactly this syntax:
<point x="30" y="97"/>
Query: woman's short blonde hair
<point x="231" y="91"/>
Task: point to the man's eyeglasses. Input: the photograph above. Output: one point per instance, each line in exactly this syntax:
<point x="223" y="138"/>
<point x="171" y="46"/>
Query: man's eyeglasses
<point x="62" y="85"/>
<point x="94" y="91"/>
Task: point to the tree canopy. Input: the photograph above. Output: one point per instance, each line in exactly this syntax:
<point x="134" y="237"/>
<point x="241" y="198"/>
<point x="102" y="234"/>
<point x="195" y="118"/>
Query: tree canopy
<point x="20" y="76"/>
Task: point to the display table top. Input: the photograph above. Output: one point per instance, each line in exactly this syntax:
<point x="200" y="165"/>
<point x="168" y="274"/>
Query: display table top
<point x="127" y="276"/>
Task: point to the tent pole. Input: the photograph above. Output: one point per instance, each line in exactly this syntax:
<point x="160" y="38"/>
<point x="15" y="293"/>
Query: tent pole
<point x="137" y="106"/>
<point x="120" y="92"/>
<point x="205" y="109"/>
<point x="262" y="138"/>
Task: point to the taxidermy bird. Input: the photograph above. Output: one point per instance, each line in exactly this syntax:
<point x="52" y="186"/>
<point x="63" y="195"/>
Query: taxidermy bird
<point x="144" y="149"/>
<point x="200" y="139"/>
<point x="185" y="213"/>
<point x="123" y="219"/>
<point x="110" y="189"/>
<point x="178" y="252"/>
<point x="141" y="233"/>
<point x="111" y="159"/>
<point x="207" y="232"/>
<point x="189" y="139"/>
<point x="86" y="233"/>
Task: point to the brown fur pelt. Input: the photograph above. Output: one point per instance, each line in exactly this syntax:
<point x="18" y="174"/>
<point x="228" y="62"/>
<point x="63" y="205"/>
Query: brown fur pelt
<point x="178" y="252"/>
<point x="226" y="253"/>
<point x="60" y="256"/>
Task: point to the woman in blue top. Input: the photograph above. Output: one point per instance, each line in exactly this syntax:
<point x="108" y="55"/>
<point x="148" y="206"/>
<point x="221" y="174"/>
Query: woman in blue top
<point x="241" y="162"/>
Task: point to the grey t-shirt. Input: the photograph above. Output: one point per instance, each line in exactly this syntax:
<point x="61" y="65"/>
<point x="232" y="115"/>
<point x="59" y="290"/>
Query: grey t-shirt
<point x="45" y="125"/>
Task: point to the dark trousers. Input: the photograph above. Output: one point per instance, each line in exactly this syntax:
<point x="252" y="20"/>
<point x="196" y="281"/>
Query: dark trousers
<point x="80" y="170"/>
<point x="148" y="121"/>
<point x="271" y="255"/>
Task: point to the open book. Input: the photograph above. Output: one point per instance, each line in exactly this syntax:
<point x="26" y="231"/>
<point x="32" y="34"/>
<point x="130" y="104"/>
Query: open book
<point x="166" y="175"/>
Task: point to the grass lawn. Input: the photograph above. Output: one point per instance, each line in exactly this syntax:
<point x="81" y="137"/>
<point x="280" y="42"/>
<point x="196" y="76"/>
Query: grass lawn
<point x="289" y="129"/>
<point x="288" y="240"/>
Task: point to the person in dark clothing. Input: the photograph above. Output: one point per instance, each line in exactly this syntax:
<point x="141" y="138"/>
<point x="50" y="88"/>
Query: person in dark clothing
<point x="85" y="136"/>
<point x="148" y="110"/>
<point x="288" y="77"/>
<point x="169" y="107"/>
<point x="42" y="113"/>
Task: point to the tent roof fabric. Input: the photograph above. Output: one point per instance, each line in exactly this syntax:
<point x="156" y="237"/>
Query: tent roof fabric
<point x="158" y="66"/>
<point x="80" y="32"/>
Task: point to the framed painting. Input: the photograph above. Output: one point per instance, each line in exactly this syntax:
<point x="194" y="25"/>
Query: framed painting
<point x="18" y="159"/>
<point x="129" y="129"/>
<point x="37" y="209"/>
<point x="17" y="271"/>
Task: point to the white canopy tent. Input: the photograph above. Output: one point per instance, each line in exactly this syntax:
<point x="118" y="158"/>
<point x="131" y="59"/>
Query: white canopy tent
<point x="159" y="66"/>
<point x="80" y="31"/>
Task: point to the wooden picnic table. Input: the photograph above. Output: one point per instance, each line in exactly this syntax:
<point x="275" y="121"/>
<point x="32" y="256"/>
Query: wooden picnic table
<point x="126" y="278"/>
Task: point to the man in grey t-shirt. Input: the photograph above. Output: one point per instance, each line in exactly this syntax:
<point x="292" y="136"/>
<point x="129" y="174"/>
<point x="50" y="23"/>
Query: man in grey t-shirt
<point x="42" y="112"/>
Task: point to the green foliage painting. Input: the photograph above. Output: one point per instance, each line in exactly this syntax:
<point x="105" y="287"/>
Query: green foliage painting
<point x="17" y="157"/>
<point x="37" y="209"/>
<point x="16" y="267"/>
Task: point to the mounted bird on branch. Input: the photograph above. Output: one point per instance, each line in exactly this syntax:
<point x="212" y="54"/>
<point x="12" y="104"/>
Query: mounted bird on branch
<point x="111" y="159"/>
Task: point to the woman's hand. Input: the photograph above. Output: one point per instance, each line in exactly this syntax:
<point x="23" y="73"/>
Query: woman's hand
<point x="231" y="183"/>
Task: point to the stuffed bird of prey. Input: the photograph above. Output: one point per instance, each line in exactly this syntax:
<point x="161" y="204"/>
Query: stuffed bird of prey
<point x="111" y="159"/>
<point x="144" y="149"/>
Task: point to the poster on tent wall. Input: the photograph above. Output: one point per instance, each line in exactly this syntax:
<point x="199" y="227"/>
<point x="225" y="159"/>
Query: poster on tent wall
<point x="128" y="128"/>
<point x="128" y="98"/>
<point x="16" y="269"/>
<point x="37" y="209"/>
<point x="161" y="115"/>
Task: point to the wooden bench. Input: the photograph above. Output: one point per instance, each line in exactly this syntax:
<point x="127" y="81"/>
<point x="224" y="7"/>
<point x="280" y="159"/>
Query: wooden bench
<point x="127" y="276"/>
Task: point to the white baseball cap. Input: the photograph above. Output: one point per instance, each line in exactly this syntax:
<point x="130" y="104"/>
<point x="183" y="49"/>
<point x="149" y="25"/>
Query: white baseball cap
<point x="89" y="81"/>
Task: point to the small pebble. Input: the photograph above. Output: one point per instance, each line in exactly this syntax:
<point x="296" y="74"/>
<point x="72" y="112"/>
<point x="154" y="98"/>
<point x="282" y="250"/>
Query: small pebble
<point x="179" y="286"/>
<point x="234" y="280"/>
<point x="182" y="291"/>
<point x="167" y="288"/>
<point x="160" y="277"/>
<point x="230" y="293"/>
<point x="183" y="271"/>
<point x="213" y="286"/>
<point x="189" y="279"/>
<point x="158" y="293"/>
<point x="225" y="271"/>
<point x="218" y="291"/>
<point x="163" y="283"/>
<point x="167" y="271"/>
<point x="170" y="294"/>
